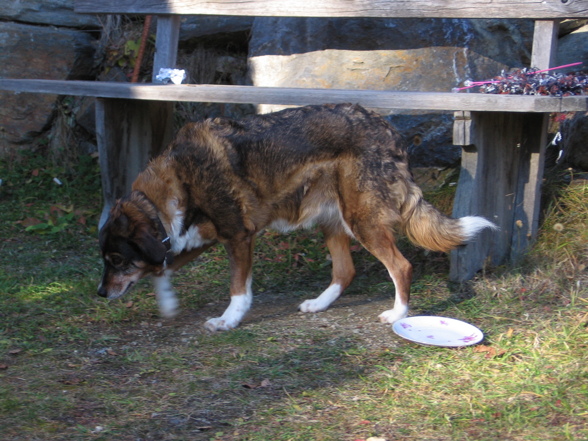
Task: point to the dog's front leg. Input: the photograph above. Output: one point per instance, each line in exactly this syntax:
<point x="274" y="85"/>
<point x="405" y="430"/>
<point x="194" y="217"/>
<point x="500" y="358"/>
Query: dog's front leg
<point x="343" y="272"/>
<point x="240" y="253"/>
<point x="166" y="297"/>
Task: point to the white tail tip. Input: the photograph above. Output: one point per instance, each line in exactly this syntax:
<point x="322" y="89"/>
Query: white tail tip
<point x="472" y="225"/>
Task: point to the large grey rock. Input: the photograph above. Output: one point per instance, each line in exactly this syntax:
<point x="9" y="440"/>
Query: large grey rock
<point x="398" y="54"/>
<point x="47" y="12"/>
<point x="206" y="25"/>
<point x="388" y="54"/>
<point x="575" y="141"/>
<point x="37" y="52"/>
<point x="573" y="47"/>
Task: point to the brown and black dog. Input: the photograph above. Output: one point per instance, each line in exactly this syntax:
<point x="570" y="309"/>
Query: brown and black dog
<point x="339" y="167"/>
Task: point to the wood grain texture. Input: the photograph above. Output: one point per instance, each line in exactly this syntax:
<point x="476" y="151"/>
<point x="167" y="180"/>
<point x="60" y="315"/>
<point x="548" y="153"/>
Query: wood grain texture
<point x="344" y="8"/>
<point x="545" y="38"/>
<point x="500" y="179"/>
<point x="129" y="133"/>
<point x="166" y="43"/>
<point x="487" y="187"/>
<point x="529" y="186"/>
<point x="442" y="101"/>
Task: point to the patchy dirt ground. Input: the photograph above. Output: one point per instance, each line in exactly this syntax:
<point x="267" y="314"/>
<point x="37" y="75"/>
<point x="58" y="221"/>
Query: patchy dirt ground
<point x="276" y="314"/>
<point x="222" y="379"/>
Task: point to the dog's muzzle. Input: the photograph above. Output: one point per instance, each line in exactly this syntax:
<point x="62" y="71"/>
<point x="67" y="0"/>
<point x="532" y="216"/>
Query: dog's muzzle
<point x="102" y="291"/>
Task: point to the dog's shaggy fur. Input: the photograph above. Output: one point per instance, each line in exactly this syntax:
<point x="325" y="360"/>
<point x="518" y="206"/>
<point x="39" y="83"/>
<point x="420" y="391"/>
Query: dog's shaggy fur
<point x="336" y="166"/>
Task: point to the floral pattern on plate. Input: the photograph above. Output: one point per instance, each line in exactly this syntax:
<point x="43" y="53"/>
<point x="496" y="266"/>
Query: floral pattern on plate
<point x="438" y="331"/>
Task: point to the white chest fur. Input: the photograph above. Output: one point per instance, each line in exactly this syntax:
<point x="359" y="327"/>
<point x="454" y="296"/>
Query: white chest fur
<point x="184" y="240"/>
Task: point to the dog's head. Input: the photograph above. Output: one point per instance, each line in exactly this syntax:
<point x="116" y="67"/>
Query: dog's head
<point x="133" y="244"/>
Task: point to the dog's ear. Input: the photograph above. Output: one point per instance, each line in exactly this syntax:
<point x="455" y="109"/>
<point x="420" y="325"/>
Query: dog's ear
<point x="153" y="250"/>
<point x="117" y="225"/>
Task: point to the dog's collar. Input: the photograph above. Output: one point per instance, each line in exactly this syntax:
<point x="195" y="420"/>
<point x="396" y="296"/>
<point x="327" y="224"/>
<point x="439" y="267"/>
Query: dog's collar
<point x="166" y="241"/>
<point x="169" y="256"/>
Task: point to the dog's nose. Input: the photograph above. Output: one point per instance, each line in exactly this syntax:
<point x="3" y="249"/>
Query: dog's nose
<point x="102" y="291"/>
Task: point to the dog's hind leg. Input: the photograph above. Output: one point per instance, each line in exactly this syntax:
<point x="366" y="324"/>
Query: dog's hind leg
<point x="240" y="253"/>
<point x="379" y="241"/>
<point x="342" y="274"/>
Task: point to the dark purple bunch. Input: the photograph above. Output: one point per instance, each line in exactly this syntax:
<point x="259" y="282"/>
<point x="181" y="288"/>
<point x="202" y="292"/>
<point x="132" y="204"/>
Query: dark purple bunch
<point x="529" y="81"/>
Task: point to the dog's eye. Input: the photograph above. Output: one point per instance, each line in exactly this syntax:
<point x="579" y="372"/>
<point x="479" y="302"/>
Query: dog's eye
<point x="116" y="260"/>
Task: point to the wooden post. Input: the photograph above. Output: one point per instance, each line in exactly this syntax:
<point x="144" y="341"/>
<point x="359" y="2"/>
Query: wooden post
<point x="130" y="132"/>
<point x="166" y="43"/>
<point x="500" y="179"/>
<point x="545" y="38"/>
<point x="502" y="171"/>
<point x="488" y="186"/>
<point x="530" y="176"/>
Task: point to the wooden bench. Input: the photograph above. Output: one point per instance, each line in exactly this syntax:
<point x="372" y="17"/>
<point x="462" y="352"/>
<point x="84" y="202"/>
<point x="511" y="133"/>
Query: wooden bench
<point x="503" y="136"/>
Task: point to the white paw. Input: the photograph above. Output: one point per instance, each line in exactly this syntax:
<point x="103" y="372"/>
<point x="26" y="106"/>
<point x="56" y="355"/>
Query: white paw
<point x="219" y="324"/>
<point x="312" y="305"/>
<point x="231" y="318"/>
<point x="322" y="302"/>
<point x="392" y="315"/>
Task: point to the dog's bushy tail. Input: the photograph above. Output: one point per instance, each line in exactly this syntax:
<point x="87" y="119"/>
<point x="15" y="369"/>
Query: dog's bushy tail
<point x="429" y="228"/>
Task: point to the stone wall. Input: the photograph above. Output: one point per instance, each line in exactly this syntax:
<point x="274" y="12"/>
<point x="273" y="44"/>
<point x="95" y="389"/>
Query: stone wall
<point x="40" y="39"/>
<point x="389" y="54"/>
<point x="46" y="39"/>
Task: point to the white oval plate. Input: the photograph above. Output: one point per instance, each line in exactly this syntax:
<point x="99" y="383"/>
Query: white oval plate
<point x="437" y="331"/>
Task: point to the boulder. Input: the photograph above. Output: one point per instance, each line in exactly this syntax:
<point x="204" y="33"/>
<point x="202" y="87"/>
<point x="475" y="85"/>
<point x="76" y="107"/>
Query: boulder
<point x="46" y="12"/>
<point x="575" y="141"/>
<point x="38" y="52"/>
<point x="386" y="54"/>
<point x="207" y="25"/>
<point x="573" y="47"/>
<point x="389" y="54"/>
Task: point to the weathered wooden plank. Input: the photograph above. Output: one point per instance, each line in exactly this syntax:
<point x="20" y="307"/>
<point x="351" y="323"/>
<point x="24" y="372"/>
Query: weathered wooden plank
<point x="129" y="133"/>
<point x="545" y="39"/>
<point x="344" y="8"/>
<point x="462" y="128"/>
<point x="166" y="43"/>
<point x="500" y="179"/>
<point x="527" y="205"/>
<point x="488" y="186"/>
<point x="442" y="101"/>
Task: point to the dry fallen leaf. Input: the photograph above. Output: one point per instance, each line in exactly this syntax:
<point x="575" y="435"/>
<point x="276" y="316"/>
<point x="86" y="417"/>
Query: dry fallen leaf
<point x="489" y="351"/>
<point x="73" y="381"/>
<point x="29" y="222"/>
<point x="264" y="383"/>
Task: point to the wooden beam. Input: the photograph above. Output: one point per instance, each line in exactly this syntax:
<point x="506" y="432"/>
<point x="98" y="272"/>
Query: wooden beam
<point x="545" y="39"/>
<point x="462" y="128"/>
<point x="385" y="99"/>
<point x="488" y="185"/>
<point x="546" y="9"/>
<point x="129" y="133"/>
<point x="527" y="204"/>
<point x="166" y="43"/>
<point x="500" y="179"/>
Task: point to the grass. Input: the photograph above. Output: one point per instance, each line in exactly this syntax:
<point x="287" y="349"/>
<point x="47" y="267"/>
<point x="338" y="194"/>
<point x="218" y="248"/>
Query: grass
<point x="75" y="367"/>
